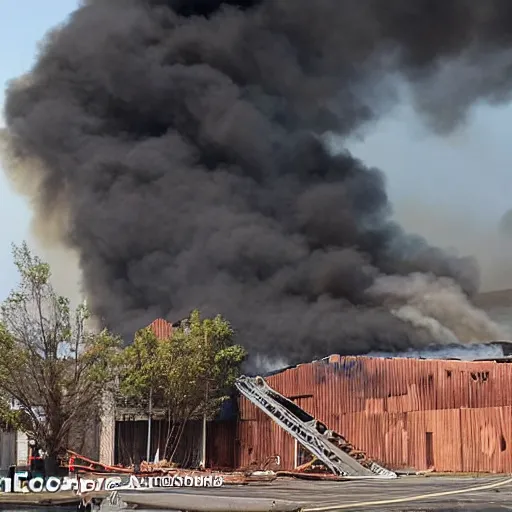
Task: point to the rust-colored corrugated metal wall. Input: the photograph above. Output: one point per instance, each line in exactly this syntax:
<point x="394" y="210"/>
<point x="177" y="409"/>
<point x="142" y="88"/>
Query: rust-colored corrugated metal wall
<point x="221" y="445"/>
<point x="405" y="413"/>
<point x="162" y="328"/>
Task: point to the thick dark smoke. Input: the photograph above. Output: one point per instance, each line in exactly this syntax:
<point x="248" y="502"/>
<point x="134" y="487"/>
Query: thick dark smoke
<point x="186" y="143"/>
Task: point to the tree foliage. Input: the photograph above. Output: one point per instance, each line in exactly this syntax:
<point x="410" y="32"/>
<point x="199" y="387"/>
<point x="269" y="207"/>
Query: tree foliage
<point x="51" y="366"/>
<point x="187" y="375"/>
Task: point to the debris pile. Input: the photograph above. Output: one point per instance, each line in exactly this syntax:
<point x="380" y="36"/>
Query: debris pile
<point x="152" y="467"/>
<point x="270" y="464"/>
<point x="89" y="468"/>
<point x="77" y="463"/>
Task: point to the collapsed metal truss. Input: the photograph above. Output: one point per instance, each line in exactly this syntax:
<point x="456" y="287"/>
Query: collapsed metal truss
<point x="334" y="451"/>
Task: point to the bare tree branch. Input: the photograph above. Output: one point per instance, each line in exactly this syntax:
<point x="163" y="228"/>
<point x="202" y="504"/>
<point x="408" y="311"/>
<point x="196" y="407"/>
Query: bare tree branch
<point x="49" y="363"/>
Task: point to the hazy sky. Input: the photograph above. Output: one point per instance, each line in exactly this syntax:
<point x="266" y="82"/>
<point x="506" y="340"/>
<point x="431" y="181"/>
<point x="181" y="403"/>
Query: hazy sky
<point x="23" y="23"/>
<point x="453" y="189"/>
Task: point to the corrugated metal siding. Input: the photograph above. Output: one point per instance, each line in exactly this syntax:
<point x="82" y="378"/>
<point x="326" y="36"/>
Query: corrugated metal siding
<point x="221" y="444"/>
<point x="389" y="407"/>
<point x="487" y="435"/>
<point x="161" y="328"/>
<point x="397" y="385"/>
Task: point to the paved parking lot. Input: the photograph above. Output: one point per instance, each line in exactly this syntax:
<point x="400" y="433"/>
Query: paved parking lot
<point x="474" y="493"/>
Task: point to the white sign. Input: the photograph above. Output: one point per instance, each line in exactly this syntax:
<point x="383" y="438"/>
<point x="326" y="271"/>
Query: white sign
<point x="80" y="485"/>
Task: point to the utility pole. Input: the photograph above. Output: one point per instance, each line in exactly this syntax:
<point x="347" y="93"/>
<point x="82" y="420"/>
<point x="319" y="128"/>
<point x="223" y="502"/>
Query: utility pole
<point x="203" y="450"/>
<point x="203" y="447"/>
<point x="150" y="411"/>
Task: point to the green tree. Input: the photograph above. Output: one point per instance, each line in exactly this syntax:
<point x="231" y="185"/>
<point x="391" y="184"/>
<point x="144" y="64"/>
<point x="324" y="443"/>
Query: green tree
<point x="50" y="364"/>
<point x="188" y="374"/>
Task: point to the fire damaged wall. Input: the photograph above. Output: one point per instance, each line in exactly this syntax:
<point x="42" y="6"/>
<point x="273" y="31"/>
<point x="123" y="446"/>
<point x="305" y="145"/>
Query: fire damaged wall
<point x="404" y="413"/>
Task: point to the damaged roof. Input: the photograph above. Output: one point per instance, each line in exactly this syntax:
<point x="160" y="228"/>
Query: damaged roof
<point x="502" y="351"/>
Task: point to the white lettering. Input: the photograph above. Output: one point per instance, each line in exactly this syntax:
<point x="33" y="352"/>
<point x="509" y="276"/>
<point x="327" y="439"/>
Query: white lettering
<point x="81" y="485"/>
<point x="18" y="479"/>
<point x="134" y="482"/>
<point x="87" y="485"/>
<point x="99" y="484"/>
<point x="69" y="484"/>
<point x="36" y="484"/>
<point x="145" y="481"/>
<point x="112" y="483"/>
<point x="5" y="484"/>
<point x="53" y="484"/>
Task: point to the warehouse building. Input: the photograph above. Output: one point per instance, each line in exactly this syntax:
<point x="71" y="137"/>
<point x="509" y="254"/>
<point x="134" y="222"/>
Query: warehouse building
<point x="438" y="414"/>
<point x="442" y="415"/>
<point x="412" y="414"/>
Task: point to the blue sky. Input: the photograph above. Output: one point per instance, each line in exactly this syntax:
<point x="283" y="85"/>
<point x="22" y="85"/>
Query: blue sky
<point x="23" y="23"/>
<point x="453" y="189"/>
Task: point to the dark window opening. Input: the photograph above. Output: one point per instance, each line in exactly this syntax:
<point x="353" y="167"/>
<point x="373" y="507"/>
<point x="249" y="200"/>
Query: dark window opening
<point x="480" y="376"/>
<point x="430" y="379"/>
<point x="429" y="449"/>
<point x="448" y="373"/>
<point x="503" y="444"/>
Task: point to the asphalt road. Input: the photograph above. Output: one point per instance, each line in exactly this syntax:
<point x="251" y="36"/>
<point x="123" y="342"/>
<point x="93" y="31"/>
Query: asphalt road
<point x="367" y="495"/>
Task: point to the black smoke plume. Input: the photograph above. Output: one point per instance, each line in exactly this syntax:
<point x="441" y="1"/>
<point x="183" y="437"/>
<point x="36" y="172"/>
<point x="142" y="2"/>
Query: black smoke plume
<point x="185" y="143"/>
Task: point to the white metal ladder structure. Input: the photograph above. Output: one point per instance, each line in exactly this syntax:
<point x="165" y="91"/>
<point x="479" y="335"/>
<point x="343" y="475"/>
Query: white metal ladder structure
<point x="327" y="446"/>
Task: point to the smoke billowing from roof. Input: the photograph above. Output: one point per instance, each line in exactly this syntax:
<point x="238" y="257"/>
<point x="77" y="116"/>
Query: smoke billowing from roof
<point x="181" y="148"/>
<point x="451" y="351"/>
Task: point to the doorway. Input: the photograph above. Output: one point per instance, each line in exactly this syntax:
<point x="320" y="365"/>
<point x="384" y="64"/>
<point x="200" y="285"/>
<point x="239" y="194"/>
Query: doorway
<point x="429" y="451"/>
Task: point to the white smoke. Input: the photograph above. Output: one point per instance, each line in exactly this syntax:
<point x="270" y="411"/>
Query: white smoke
<point x="468" y="353"/>
<point x="414" y="316"/>
<point x="439" y="306"/>
<point x="266" y="364"/>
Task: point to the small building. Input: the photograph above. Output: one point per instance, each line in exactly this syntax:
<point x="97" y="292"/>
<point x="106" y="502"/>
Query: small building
<point x="132" y="430"/>
<point x="124" y="430"/>
<point x="12" y="447"/>
<point x="15" y="450"/>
